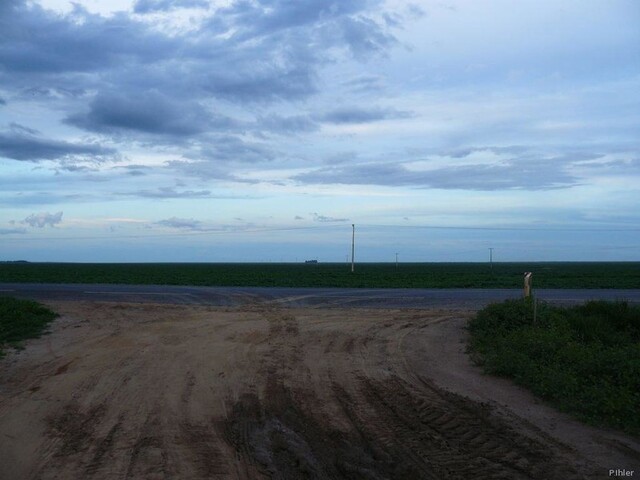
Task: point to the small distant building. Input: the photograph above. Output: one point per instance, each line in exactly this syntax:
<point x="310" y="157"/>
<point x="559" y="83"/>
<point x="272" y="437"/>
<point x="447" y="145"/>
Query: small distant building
<point x="311" y="261"/>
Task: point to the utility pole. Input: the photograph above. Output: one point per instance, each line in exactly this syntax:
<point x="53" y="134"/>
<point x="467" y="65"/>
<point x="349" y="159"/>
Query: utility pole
<point x="491" y="257"/>
<point x="353" y="246"/>
<point x="396" y="259"/>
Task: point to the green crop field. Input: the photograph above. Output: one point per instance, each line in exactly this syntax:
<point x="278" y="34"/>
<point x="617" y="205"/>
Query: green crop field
<point x="369" y="275"/>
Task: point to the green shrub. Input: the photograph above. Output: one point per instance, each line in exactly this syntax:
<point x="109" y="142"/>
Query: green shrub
<point x="583" y="359"/>
<point x="22" y="319"/>
<point x="606" y="322"/>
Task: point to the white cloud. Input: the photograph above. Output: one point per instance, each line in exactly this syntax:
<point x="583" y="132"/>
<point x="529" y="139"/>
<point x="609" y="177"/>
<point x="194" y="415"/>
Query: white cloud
<point x="367" y="109"/>
<point x="41" y="220"/>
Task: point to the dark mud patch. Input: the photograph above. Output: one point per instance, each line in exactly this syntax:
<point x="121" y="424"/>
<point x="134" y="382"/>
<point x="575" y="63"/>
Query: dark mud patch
<point x="393" y="432"/>
<point x="74" y="427"/>
<point x="208" y="459"/>
<point x="292" y="445"/>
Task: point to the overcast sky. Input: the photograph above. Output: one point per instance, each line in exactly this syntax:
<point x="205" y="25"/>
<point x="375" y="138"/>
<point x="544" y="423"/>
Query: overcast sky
<point x="260" y="130"/>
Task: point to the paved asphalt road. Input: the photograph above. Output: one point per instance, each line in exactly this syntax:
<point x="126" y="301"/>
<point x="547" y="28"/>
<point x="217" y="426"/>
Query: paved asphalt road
<point x="315" y="297"/>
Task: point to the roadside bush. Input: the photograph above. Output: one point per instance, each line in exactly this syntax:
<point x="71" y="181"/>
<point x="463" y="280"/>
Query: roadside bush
<point x="583" y="359"/>
<point x="22" y="319"/>
<point x="608" y="322"/>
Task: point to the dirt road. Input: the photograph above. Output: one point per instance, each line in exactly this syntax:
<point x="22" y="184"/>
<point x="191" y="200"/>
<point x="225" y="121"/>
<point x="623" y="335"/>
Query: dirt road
<point x="142" y="391"/>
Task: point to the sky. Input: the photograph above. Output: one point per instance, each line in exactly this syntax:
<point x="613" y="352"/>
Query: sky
<point x="262" y="130"/>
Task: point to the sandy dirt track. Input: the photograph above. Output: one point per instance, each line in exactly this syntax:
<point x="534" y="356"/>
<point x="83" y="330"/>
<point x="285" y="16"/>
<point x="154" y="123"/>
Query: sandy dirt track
<point x="142" y="391"/>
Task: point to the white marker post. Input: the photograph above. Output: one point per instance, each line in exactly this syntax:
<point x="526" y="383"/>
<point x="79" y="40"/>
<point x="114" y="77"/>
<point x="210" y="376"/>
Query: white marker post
<point x="527" y="284"/>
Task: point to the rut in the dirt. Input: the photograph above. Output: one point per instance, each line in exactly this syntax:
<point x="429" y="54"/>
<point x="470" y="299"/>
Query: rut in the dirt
<point x="260" y="392"/>
<point x="394" y="434"/>
<point x="396" y="430"/>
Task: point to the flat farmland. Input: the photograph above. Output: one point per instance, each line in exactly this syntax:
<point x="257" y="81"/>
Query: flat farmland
<point x="253" y="391"/>
<point x="622" y="275"/>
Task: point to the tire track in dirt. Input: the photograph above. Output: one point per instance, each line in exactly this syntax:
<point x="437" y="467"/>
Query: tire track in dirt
<point x="467" y="429"/>
<point x="121" y="421"/>
<point x="103" y="447"/>
<point x="455" y="437"/>
<point x="258" y="391"/>
<point x="395" y="429"/>
<point x="148" y="456"/>
<point x="272" y="434"/>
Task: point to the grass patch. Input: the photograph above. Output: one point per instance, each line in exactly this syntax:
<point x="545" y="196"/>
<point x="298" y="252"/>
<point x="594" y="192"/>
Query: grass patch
<point x="367" y="275"/>
<point x="585" y="360"/>
<point x="20" y="320"/>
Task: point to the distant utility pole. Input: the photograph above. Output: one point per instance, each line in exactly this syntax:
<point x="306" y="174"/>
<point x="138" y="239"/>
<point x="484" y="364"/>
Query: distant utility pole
<point x="353" y="246"/>
<point x="396" y="259"/>
<point x="491" y="257"/>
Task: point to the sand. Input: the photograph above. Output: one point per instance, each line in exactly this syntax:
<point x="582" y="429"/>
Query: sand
<point x="145" y="391"/>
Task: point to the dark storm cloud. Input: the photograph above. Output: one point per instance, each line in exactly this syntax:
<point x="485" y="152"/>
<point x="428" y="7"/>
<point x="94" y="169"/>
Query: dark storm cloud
<point x="361" y="115"/>
<point x="152" y="6"/>
<point x="22" y="143"/>
<point x="147" y="112"/>
<point x="279" y="42"/>
<point x="135" y="80"/>
<point x="37" y="41"/>
<point x="541" y="175"/>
